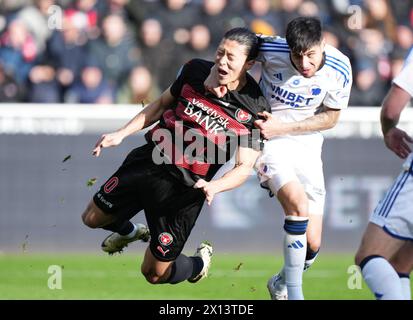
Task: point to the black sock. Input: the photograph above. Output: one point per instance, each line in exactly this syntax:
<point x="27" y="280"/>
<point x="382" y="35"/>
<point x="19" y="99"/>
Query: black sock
<point x="403" y="275"/>
<point x="310" y="253"/>
<point x="120" y="226"/>
<point x="184" y="268"/>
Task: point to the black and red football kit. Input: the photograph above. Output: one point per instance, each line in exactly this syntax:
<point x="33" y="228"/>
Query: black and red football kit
<point x="159" y="176"/>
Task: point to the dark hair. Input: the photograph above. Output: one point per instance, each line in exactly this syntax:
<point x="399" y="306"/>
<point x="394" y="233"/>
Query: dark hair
<point x="303" y="33"/>
<point x="245" y="37"/>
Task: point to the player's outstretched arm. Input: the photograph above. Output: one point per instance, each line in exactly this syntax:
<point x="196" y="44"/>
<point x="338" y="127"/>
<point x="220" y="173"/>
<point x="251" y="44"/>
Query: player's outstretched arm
<point x="395" y="139"/>
<point x="148" y="116"/>
<point x="245" y="160"/>
<point x="270" y="126"/>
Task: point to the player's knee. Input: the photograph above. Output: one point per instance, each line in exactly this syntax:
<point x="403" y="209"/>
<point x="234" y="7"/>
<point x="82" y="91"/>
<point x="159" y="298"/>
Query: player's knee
<point x="400" y="264"/>
<point x="297" y="208"/>
<point x="152" y="279"/>
<point x="89" y="218"/>
<point x="359" y="257"/>
<point x="152" y="276"/>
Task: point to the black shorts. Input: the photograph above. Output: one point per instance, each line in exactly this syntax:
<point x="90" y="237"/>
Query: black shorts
<point x="171" y="208"/>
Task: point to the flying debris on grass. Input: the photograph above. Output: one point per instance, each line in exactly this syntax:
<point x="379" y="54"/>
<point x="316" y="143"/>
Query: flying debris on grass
<point x="25" y="243"/>
<point x="238" y="267"/>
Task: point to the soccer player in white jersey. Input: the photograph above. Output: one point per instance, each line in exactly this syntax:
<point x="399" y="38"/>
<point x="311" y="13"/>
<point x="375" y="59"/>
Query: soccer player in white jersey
<point x="386" y="251"/>
<point x="307" y="83"/>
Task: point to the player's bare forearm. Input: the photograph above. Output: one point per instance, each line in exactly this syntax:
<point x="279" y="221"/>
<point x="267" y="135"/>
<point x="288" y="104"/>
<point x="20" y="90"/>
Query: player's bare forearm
<point x="143" y="119"/>
<point x="149" y="115"/>
<point x="245" y="161"/>
<point x="393" y="105"/>
<point x="246" y="158"/>
<point x="271" y="126"/>
<point x="324" y="120"/>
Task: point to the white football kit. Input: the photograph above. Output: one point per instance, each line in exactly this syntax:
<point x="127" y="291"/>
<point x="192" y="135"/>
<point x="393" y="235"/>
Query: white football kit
<point x="394" y="213"/>
<point x="294" y="98"/>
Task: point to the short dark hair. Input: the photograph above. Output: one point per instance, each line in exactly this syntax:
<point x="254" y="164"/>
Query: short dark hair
<point x="303" y="33"/>
<point x="245" y="37"/>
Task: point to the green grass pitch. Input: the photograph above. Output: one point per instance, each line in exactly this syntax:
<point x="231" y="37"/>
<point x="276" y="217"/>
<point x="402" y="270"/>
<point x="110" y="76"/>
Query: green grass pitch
<point x="232" y="276"/>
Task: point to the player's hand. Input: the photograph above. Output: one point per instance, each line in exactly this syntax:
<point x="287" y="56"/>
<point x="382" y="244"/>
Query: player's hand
<point x="208" y="188"/>
<point x="269" y="125"/>
<point x="396" y="140"/>
<point x="211" y="84"/>
<point x="107" y="140"/>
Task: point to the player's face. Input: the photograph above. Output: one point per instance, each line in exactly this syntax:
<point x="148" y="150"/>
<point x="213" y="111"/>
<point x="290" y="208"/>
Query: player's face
<point x="230" y="60"/>
<point x="308" y="62"/>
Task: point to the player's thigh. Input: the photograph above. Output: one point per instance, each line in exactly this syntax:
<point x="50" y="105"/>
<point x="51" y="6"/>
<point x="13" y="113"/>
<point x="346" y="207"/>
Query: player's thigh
<point x="314" y="231"/>
<point x="171" y="213"/>
<point x="122" y="194"/>
<point x="293" y="198"/>
<point x="402" y="260"/>
<point x="376" y="241"/>
<point x="154" y="270"/>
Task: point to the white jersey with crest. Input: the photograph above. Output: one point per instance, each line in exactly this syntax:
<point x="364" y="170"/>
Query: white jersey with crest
<point x="294" y="98"/>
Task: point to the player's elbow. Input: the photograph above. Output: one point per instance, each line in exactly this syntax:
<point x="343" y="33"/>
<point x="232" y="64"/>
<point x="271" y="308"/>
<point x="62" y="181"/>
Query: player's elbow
<point x="332" y="121"/>
<point x="388" y="114"/>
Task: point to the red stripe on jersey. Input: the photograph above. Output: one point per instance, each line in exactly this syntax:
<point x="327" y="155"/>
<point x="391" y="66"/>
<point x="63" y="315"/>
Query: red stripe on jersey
<point x="210" y="109"/>
<point x="175" y="155"/>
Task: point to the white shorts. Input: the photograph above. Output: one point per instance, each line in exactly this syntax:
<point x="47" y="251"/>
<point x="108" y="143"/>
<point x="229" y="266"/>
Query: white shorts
<point x="394" y="213"/>
<point x="294" y="158"/>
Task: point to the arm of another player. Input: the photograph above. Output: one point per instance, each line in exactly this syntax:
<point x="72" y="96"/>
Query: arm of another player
<point x="148" y="116"/>
<point x="271" y="126"/>
<point x="394" y="138"/>
<point x="245" y="160"/>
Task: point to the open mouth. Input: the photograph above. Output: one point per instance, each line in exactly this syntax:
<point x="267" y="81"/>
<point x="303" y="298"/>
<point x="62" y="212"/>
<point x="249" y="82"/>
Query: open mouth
<point x="222" y="72"/>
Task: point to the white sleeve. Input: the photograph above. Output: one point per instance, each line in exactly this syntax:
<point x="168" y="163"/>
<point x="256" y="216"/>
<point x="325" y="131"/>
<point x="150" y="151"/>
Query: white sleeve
<point x="270" y="43"/>
<point x="338" y="98"/>
<point x="404" y="78"/>
<point x="261" y="56"/>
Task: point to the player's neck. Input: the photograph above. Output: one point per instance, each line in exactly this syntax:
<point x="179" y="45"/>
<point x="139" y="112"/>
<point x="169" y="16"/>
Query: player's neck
<point x="237" y="84"/>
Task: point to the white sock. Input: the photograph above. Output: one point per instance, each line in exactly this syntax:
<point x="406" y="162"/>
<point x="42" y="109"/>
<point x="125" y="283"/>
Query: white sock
<point x="382" y="279"/>
<point x="295" y="249"/>
<point x="405" y="283"/>
<point x="132" y="233"/>
<point x="307" y="264"/>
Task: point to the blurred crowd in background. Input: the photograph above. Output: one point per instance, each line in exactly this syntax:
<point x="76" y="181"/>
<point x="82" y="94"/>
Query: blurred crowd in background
<point x="129" y="51"/>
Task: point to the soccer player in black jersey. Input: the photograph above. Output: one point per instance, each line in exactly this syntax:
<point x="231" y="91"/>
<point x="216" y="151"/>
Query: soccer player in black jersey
<point x="170" y="177"/>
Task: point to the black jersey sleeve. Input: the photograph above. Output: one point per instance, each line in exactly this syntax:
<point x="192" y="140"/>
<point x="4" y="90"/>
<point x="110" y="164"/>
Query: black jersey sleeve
<point x="180" y="80"/>
<point x="256" y="103"/>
